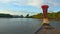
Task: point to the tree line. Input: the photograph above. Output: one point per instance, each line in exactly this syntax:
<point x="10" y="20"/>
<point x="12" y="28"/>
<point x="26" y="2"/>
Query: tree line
<point x="2" y="15"/>
<point x="51" y="15"/>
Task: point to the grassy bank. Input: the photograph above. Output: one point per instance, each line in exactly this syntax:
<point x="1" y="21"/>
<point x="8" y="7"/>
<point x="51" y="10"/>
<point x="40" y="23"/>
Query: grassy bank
<point x="52" y="15"/>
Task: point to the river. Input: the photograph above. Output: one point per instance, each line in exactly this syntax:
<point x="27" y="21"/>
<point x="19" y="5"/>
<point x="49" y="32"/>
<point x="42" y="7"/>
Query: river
<point x="23" y="25"/>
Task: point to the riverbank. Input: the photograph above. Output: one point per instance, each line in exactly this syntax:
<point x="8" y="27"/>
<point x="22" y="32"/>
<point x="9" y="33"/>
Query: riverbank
<point x="49" y="19"/>
<point x="52" y="15"/>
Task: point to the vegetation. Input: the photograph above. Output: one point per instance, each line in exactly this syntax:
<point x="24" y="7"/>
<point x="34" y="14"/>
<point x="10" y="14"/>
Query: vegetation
<point x="27" y="16"/>
<point x="50" y="15"/>
<point x="8" y="16"/>
<point x="21" y="16"/>
<point x="5" y="15"/>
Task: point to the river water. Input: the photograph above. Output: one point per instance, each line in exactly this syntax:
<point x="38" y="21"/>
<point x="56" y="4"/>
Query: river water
<point x="23" y="25"/>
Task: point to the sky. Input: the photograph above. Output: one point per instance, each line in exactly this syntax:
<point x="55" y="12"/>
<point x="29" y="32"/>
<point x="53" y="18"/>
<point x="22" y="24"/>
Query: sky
<point x="24" y="7"/>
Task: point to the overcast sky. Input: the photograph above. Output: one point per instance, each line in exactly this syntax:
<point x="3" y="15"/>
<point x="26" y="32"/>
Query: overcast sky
<point x="23" y="7"/>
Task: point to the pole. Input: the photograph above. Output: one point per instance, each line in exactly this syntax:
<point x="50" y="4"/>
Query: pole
<point x="45" y="14"/>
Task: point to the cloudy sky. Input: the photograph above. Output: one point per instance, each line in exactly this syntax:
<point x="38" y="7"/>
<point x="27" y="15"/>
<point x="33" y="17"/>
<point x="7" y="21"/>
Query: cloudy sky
<point x="23" y="7"/>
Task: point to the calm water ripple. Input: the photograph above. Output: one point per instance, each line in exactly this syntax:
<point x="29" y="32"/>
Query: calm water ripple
<point x="22" y="25"/>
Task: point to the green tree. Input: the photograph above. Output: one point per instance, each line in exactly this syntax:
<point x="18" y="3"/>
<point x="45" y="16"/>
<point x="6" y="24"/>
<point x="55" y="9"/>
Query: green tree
<point x="27" y="16"/>
<point x="21" y="16"/>
<point x="58" y="15"/>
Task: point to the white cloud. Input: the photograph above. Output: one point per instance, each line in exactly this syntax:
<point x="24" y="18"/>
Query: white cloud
<point x="5" y="11"/>
<point x="13" y="12"/>
<point x="56" y="4"/>
<point x="52" y="2"/>
<point x="24" y="2"/>
<point x="6" y="1"/>
<point x="35" y="2"/>
<point x="30" y="2"/>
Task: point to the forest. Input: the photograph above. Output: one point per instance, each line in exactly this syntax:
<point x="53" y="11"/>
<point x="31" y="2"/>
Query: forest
<point x="52" y="15"/>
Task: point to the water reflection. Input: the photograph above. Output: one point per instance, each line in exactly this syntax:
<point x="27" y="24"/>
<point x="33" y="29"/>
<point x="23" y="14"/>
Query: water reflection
<point x="22" y="25"/>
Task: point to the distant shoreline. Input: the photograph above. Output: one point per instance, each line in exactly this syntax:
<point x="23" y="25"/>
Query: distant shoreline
<point x="34" y="18"/>
<point x="49" y="18"/>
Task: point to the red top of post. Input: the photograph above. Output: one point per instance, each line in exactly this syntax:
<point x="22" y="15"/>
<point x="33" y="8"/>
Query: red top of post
<point x="44" y="6"/>
<point x="45" y="9"/>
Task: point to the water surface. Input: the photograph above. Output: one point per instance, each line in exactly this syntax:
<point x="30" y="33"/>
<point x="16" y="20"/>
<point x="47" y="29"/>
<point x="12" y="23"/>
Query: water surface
<point x="23" y="25"/>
